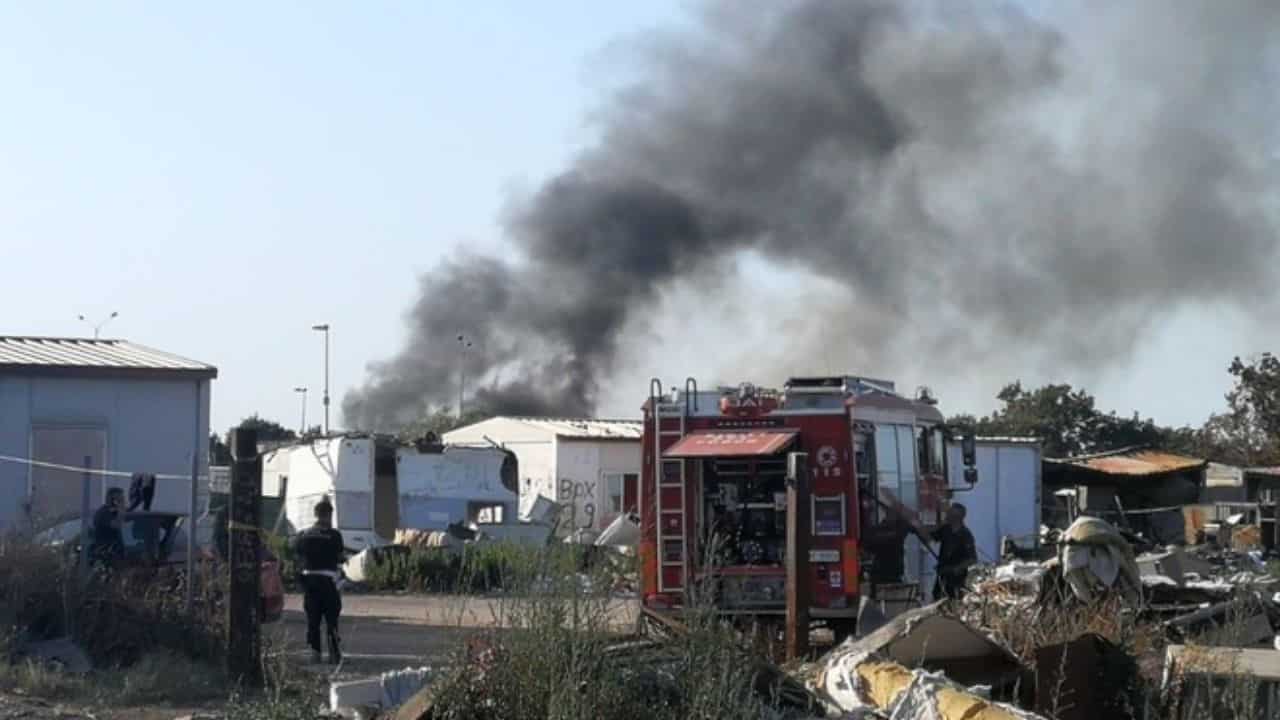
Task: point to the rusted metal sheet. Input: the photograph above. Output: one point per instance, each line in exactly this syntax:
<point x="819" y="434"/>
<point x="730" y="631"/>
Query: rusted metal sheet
<point x="1134" y="463"/>
<point x="750" y="443"/>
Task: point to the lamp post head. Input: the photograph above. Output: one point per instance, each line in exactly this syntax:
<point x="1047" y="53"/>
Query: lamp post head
<point x="300" y="389"/>
<point x="321" y="328"/>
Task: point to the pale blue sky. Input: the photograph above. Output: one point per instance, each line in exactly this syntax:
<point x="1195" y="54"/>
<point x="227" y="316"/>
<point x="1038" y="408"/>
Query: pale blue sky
<point x="227" y="175"/>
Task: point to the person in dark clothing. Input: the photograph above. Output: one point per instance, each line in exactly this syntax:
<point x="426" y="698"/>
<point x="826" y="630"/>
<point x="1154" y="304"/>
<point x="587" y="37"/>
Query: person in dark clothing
<point x="957" y="552"/>
<point x="108" y="535"/>
<point x="142" y="491"/>
<point x="320" y="549"/>
<point x="886" y="541"/>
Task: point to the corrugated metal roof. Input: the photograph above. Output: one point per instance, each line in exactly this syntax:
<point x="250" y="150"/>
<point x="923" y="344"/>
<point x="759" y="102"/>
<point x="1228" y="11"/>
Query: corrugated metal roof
<point x="748" y="443"/>
<point x="587" y="429"/>
<point x="1133" y="462"/>
<point x="83" y="356"/>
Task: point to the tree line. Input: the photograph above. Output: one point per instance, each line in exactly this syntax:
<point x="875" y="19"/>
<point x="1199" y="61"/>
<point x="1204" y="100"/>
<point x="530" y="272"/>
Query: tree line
<point x="1068" y="421"/>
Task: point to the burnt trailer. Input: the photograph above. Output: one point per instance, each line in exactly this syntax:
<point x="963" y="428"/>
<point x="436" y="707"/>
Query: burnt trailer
<point x="713" y="489"/>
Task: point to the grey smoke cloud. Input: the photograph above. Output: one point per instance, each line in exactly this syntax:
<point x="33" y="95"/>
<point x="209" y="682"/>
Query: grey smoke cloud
<point x="989" y="179"/>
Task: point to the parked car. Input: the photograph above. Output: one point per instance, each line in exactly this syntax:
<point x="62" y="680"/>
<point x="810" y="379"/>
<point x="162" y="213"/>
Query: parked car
<point x="153" y="539"/>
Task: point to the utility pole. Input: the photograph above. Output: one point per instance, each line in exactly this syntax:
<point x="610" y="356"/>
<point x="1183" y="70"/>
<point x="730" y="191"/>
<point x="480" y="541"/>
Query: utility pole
<point x="98" y="327"/>
<point x="302" y="428"/>
<point x="86" y="522"/>
<point x="463" y="344"/>
<point x="797" y="556"/>
<point x="244" y="646"/>
<point x="325" y="329"/>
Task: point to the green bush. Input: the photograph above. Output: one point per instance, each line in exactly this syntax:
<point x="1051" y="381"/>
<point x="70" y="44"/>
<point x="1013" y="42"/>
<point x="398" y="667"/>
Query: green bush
<point x="474" y="568"/>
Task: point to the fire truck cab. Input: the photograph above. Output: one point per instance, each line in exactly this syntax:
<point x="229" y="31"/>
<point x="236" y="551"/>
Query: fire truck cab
<point x="713" y="487"/>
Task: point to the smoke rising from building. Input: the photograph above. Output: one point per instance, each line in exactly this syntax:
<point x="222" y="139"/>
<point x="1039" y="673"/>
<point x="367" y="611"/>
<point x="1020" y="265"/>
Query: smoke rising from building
<point x="987" y="178"/>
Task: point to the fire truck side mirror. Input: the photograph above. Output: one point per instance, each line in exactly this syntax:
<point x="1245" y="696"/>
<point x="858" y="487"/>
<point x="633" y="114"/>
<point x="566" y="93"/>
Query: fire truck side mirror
<point x="797" y="466"/>
<point x="969" y="450"/>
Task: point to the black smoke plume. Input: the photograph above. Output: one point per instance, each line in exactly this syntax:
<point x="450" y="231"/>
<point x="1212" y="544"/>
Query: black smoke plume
<point x="990" y="178"/>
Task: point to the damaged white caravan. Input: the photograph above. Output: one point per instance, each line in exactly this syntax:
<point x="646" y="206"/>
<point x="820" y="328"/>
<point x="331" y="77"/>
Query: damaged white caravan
<point x="378" y="485"/>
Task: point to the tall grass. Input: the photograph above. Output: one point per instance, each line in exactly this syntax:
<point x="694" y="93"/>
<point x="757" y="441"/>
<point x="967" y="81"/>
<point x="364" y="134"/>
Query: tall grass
<point x="133" y="624"/>
<point x="474" y="568"/>
<point x="562" y="656"/>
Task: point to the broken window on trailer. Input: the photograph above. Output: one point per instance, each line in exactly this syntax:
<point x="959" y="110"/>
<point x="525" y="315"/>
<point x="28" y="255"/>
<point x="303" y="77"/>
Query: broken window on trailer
<point x="618" y="488"/>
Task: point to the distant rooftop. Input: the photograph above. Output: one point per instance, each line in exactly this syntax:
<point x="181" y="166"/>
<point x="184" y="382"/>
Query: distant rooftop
<point x="583" y="428"/>
<point x="82" y="357"/>
<point x="1134" y="462"/>
<point x="1008" y="439"/>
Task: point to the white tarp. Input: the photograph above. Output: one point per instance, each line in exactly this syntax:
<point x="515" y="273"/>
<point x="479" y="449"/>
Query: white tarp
<point x="622" y="532"/>
<point x="918" y="700"/>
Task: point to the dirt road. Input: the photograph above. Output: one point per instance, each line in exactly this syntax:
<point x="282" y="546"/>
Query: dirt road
<point x="385" y="632"/>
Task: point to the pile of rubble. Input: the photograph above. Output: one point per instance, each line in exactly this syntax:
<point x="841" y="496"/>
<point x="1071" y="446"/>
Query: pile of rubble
<point x="1217" y="603"/>
<point x="1104" y="631"/>
<point x="1142" y="632"/>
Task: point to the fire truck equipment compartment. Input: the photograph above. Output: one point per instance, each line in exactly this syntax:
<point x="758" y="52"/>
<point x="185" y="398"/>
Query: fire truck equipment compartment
<point x="718" y="443"/>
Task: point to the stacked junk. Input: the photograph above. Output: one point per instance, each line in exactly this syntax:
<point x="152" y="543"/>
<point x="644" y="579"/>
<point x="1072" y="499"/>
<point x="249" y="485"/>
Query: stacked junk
<point x="1107" y="626"/>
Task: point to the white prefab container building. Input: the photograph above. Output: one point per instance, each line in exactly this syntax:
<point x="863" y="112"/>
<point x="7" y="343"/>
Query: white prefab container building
<point x="591" y="467"/>
<point x="1004" y="503"/>
<point x="110" y="405"/>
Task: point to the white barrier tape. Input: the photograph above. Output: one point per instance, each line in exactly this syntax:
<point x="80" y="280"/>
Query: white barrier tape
<point x="94" y="471"/>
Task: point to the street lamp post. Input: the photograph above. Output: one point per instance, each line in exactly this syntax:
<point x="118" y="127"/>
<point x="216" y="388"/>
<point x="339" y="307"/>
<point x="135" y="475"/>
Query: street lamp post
<point x="302" y="430"/>
<point x="98" y="328"/>
<point x="325" y="329"/>
<point x="463" y="344"/>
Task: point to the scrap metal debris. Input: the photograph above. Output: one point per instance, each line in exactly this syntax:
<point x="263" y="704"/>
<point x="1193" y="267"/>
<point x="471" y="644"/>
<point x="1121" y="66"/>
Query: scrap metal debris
<point x="1096" y="558"/>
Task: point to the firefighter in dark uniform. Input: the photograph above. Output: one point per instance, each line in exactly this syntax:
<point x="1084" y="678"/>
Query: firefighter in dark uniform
<point x="957" y="552"/>
<point x="886" y="541"/>
<point x="320" y="549"/>
<point x="107" y="547"/>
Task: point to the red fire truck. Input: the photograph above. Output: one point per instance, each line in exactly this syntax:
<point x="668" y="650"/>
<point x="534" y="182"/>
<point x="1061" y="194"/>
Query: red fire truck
<point x="713" y="487"/>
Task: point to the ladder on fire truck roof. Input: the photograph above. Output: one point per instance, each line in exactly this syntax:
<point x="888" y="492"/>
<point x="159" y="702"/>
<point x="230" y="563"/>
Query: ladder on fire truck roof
<point x="669" y="482"/>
